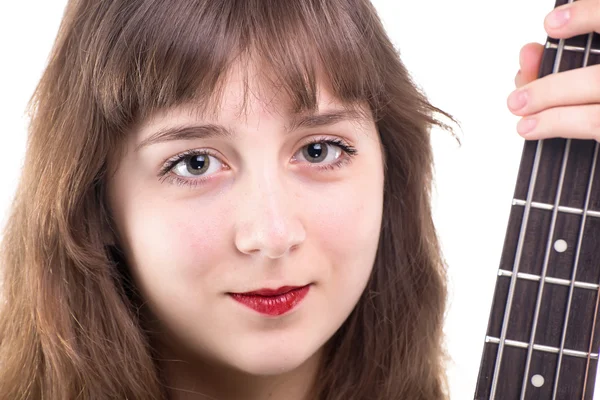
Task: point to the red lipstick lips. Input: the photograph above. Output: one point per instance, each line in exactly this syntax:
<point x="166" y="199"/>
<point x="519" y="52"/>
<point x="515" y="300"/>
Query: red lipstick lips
<point x="273" y="302"/>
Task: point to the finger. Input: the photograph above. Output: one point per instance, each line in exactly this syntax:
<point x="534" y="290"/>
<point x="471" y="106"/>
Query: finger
<point x="574" y="122"/>
<point x="530" y="59"/>
<point x="519" y="79"/>
<point x="577" y="86"/>
<point x="576" y="18"/>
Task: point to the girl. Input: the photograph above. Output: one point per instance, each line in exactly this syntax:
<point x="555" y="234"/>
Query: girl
<point x="228" y="200"/>
<point x="224" y="200"/>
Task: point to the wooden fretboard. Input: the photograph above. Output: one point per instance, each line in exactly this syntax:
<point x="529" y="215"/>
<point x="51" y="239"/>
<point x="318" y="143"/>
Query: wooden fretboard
<point x="543" y="334"/>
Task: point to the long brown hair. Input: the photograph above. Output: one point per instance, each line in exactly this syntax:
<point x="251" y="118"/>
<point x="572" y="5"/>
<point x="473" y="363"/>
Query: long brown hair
<point x="70" y="326"/>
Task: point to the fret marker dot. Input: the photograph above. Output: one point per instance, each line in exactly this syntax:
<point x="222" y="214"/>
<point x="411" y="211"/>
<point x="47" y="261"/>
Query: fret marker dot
<point x="537" y="380"/>
<point x="560" y="246"/>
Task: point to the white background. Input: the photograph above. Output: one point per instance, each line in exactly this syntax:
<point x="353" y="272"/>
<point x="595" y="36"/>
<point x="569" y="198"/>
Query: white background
<point x="463" y="53"/>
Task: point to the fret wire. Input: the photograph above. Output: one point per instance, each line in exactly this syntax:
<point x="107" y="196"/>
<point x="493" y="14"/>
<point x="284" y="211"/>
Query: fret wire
<point x="538" y="303"/>
<point x="549" y="279"/>
<point x="544" y="348"/>
<point x="572" y="48"/>
<point x="563" y="209"/>
<point x="578" y="249"/>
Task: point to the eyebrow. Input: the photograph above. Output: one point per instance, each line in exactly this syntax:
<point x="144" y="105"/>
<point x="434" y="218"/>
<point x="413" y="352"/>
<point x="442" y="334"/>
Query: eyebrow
<point x="208" y="131"/>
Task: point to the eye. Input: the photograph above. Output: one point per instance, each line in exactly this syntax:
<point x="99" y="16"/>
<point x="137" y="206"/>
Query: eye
<point x="322" y="151"/>
<point x="195" y="165"/>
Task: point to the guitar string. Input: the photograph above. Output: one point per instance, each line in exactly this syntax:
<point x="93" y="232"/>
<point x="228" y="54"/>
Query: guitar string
<point x="578" y="248"/>
<point x="587" y="364"/>
<point x="515" y="270"/>
<point x="593" y="329"/>
<point x="548" y="251"/>
<point x="519" y="251"/>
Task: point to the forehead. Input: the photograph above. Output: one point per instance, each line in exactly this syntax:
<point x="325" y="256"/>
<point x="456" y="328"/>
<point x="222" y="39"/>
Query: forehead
<point x="248" y="90"/>
<point x="246" y="94"/>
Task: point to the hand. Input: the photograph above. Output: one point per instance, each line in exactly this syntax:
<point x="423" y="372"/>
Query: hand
<point x="566" y="104"/>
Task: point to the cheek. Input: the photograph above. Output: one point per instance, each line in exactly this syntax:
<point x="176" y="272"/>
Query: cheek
<point x="349" y="220"/>
<point x="181" y="241"/>
<point x="346" y="229"/>
<point x="199" y="235"/>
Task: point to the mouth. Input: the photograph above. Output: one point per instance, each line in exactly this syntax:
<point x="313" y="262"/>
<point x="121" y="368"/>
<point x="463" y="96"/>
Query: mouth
<point x="273" y="302"/>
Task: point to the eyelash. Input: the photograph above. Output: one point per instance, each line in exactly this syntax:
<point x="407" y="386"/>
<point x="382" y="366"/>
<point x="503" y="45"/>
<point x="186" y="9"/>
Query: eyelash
<point x="165" y="172"/>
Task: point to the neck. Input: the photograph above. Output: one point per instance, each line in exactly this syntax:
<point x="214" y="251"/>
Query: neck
<point x="197" y="379"/>
<point x="542" y="338"/>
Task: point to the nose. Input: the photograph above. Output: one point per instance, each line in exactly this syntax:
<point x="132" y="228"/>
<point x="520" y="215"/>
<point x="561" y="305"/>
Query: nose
<point x="268" y="224"/>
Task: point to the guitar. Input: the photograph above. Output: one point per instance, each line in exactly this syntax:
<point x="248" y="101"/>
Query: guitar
<point x="543" y="335"/>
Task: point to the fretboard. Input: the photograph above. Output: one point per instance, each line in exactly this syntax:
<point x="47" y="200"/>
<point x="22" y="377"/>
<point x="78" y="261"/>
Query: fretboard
<point x="543" y="334"/>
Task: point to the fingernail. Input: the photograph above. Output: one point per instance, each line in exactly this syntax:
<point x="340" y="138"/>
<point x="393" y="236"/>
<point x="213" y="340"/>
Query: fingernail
<point x="517" y="100"/>
<point x="558" y="18"/>
<point x="526" y="125"/>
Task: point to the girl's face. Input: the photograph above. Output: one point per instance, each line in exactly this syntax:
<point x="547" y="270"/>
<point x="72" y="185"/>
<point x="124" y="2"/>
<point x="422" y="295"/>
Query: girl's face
<point x="243" y="202"/>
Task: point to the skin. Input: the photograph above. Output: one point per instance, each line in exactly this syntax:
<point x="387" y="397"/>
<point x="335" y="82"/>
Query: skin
<point x="566" y="104"/>
<point x="266" y="218"/>
<point x="259" y="224"/>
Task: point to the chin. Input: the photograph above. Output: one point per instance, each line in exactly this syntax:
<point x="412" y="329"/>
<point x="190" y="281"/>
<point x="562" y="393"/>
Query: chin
<point x="273" y="360"/>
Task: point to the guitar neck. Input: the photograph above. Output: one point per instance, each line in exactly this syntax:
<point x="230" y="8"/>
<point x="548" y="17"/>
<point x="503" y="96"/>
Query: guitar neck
<point x="543" y="334"/>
